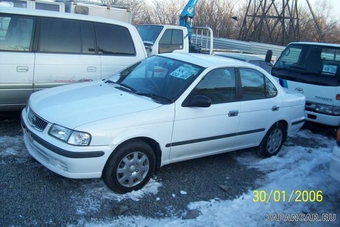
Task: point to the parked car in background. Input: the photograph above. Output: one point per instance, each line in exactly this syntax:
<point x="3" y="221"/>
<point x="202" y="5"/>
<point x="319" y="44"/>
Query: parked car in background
<point x="164" y="109"/>
<point x="334" y="168"/>
<point x="261" y="62"/>
<point x="42" y="49"/>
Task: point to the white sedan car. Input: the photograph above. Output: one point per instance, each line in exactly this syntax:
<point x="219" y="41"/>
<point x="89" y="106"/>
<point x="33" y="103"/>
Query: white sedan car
<point x="164" y="109"/>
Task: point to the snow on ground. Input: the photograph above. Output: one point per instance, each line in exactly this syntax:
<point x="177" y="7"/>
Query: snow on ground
<point x="293" y="178"/>
<point x="296" y="176"/>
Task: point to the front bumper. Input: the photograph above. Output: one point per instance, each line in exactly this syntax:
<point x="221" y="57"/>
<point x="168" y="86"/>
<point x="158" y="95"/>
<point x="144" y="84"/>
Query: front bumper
<point x="322" y="118"/>
<point x="64" y="159"/>
<point x="334" y="169"/>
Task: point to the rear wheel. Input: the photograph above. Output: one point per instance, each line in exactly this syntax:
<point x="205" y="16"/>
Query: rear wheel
<point x="130" y="167"/>
<point x="272" y="142"/>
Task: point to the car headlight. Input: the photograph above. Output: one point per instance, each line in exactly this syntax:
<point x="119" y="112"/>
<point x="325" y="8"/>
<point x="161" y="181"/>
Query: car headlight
<point x="336" y="110"/>
<point x="70" y="136"/>
<point x="333" y="110"/>
<point x="79" y="138"/>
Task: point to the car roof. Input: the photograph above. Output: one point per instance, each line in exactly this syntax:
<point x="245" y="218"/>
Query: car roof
<point x="315" y="43"/>
<point x="243" y="57"/>
<point x="206" y="60"/>
<point x="54" y="14"/>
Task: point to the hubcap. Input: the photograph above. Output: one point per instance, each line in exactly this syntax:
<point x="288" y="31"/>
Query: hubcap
<point x="274" y="141"/>
<point x="133" y="169"/>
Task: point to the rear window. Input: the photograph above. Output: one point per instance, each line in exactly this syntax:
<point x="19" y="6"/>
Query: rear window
<point x="114" y="40"/>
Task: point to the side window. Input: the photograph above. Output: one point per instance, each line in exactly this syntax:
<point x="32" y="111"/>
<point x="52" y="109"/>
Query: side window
<point x="218" y="85"/>
<point x="16" y="33"/>
<point x="270" y="88"/>
<point x="172" y="36"/>
<point x="60" y="36"/>
<point x="114" y="40"/>
<point x="177" y="37"/>
<point x="88" y="39"/>
<point x="166" y="37"/>
<point x="255" y="85"/>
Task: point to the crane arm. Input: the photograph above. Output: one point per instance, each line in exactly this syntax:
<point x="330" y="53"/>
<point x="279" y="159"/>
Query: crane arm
<point x="188" y="12"/>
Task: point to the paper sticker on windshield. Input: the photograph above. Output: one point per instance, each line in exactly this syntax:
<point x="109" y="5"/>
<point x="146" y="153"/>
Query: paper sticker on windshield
<point x="329" y="69"/>
<point x="183" y="72"/>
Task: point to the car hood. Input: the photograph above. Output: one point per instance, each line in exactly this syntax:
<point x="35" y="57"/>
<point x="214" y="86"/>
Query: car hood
<point x="79" y="104"/>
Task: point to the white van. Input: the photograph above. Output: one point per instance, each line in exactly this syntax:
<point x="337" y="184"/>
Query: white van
<point x="313" y="69"/>
<point x="41" y="49"/>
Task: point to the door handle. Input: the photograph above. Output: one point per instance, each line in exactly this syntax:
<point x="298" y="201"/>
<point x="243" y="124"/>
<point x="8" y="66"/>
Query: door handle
<point x="233" y="113"/>
<point x="276" y="108"/>
<point x="91" y="69"/>
<point x="22" y="69"/>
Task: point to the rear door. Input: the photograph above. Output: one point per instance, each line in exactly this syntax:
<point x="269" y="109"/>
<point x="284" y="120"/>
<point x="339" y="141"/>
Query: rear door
<point x="16" y="60"/>
<point x="259" y="107"/>
<point x="65" y="53"/>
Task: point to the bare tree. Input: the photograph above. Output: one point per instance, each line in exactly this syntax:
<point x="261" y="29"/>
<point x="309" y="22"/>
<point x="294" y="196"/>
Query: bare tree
<point x="137" y="7"/>
<point x="217" y="14"/>
<point x="227" y="21"/>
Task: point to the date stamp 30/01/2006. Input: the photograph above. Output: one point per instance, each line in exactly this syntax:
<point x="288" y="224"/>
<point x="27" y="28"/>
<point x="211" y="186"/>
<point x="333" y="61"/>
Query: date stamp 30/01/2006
<point x="296" y="196"/>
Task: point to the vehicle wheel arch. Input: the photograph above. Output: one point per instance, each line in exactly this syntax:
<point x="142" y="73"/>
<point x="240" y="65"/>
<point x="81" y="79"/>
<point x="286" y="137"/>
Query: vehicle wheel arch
<point x="131" y="165"/>
<point x="151" y="142"/>
<point x="267" y="148"/>
<point x="285" y="126"/>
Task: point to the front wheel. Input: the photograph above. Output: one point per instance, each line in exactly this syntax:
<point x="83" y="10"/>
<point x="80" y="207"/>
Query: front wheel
<point x="272" y="142"/>
<point x="130" y="167"/>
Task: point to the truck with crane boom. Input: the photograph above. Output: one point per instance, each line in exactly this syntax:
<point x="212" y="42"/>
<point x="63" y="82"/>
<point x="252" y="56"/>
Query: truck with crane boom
<point x="176" y="38"/>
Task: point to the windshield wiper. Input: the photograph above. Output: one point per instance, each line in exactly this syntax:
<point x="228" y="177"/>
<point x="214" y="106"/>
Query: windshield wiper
<point x="122" y="85"/>
<point x="109" y="81"/>
<point x="153" y="95"/>
<point x="297" y="67"/>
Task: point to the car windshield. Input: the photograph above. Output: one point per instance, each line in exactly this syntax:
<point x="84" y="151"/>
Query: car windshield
<point x="313" y="64"/>
<point x="149" y="33"/>
<point x="160" y="78"/>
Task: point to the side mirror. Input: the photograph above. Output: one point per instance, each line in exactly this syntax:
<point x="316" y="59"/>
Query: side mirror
<point x="269" y="55"/>
<point x="198" y="101"/>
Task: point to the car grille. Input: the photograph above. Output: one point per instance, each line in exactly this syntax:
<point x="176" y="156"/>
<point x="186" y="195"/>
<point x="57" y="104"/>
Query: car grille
<point x="35" y="121"/>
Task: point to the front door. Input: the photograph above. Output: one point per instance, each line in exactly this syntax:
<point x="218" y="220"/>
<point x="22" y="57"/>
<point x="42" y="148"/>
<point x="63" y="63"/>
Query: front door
<point x="201" y="131"/>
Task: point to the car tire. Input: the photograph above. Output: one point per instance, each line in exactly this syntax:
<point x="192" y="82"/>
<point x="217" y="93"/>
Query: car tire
<point x="129" y="167"/>
<point x="272" y="142"/>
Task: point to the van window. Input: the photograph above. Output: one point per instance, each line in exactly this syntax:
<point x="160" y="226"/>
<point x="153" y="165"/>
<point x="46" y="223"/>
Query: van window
<point x="114" y="40"/>
<point x="60" y="36"/>
<point x="16" y="33"/>
<point x="309" y="63"/>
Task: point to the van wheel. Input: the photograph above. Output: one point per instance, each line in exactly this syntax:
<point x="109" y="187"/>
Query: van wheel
<point x="272" y="142"/>
<point x="130" y="167"/>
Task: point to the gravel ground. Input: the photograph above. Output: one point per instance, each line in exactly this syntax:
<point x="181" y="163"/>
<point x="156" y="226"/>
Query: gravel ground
<point x="32" y="195"/>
